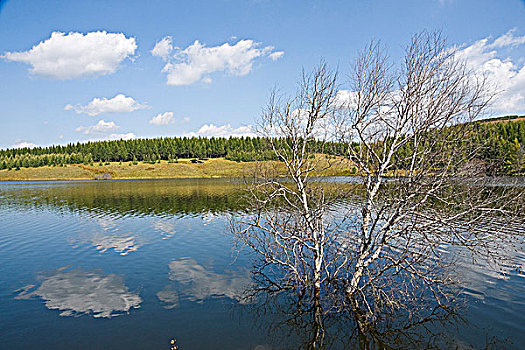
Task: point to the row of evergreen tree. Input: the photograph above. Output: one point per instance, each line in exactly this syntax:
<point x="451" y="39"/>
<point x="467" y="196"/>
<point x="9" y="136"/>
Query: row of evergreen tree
<point x="497" y="145"/>
<point x="502" y="140"/>
<point x="240" y="149"/>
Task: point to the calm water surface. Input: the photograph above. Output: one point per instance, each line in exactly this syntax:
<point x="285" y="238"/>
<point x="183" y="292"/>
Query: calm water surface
<point x="133" y="264"/>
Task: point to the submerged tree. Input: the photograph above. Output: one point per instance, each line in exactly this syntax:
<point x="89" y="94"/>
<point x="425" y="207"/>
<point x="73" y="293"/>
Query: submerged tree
<point x="423" y="197"/>
<point x="425" y="189"/>
<point x="289" y="227"/>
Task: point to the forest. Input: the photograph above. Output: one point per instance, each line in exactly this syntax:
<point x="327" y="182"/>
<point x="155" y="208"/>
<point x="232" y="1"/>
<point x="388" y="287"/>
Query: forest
<point x="501" y="139"/>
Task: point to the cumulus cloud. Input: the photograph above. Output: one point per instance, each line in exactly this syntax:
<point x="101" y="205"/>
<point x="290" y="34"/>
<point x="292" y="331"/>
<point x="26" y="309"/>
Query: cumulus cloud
<point x="162" y="119"/>
<point x="486" y="56"/>
<point x="345" y="99"/>
<point x="101" y="127"/>
<point x="163" y="48"/>
<point x="323" y="128"/>
<point x="276" y="55"/>
<point x="74" y="55"/>
<point x="209" y="130"/>
<point x="22" y="144"/>
<point x="167" y="118"/>
<point x="103" y="130"/>
<point x="197" y="61"/>
<point x="118" y="104"/>
<point x="489" y="57"/>
<point x="126" y="136"/>
<point x="508" y="39"/>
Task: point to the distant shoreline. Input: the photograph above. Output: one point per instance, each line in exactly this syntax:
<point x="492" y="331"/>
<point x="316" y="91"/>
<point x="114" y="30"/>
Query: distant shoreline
<point x="183" y="169"/>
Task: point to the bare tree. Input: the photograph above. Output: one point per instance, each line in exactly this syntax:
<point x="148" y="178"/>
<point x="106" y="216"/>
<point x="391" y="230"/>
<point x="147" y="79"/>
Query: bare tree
<point x="409" y="133"/>
<point x="291" y="227"/>
<point x="422" y="202"/>
<point x="288" y="227"/>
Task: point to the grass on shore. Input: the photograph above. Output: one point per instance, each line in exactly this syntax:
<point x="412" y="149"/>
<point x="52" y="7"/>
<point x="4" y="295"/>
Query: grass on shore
<point x="184" y="168"/>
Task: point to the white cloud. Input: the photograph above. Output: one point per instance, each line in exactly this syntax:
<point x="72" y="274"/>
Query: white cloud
<point x="276" y="55"/>
<point x="508" y="39"/>
<point x="345" y="99"/>
<point x="127" y="136"/>
<point x="209" y="130"/>
<point x="101" y="127"/>
<point x="167" y="118"/>
<point x="104" y="131"/>
<point x="117" y="104"/>
<point x="74" y="55"/>
<point x="23" y="144"/>
<point x="162" y="119"/>
<point x="485" y="56"/>
<point x="489" y="57"/>
<point x="163" y="48"/>
<point x="196" y="62"/>
<point x="323" y="128"/>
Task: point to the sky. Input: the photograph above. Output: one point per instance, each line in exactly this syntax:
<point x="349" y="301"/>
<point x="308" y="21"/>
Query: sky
<point x="95" y="70"/>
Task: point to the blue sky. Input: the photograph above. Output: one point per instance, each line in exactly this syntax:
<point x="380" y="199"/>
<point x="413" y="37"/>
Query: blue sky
<point x="97" y="77"/>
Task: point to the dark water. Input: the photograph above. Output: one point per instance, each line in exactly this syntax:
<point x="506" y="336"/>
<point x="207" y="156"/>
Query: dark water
<point x="133" y="264"/>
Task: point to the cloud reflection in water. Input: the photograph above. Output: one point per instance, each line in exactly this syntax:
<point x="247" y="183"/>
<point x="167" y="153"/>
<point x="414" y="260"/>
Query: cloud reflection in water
<point x="166" y="229"/>
<point x="77" y="292"/>
<point x="197" y="284"/>
<point x="108" y="238"/>
<point x="122" y="244"/>
<point x="169" y="296"/>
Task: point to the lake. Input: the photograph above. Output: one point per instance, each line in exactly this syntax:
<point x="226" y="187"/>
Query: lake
<point x="134" y="264"/>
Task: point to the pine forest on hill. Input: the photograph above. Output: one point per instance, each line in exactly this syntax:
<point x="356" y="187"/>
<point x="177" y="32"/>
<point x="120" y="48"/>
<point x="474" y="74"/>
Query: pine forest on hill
<point x="501" y="142"/>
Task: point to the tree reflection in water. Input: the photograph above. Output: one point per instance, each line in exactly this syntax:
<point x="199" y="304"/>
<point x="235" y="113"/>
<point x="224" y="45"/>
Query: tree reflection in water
<point x="295" y="321"/>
